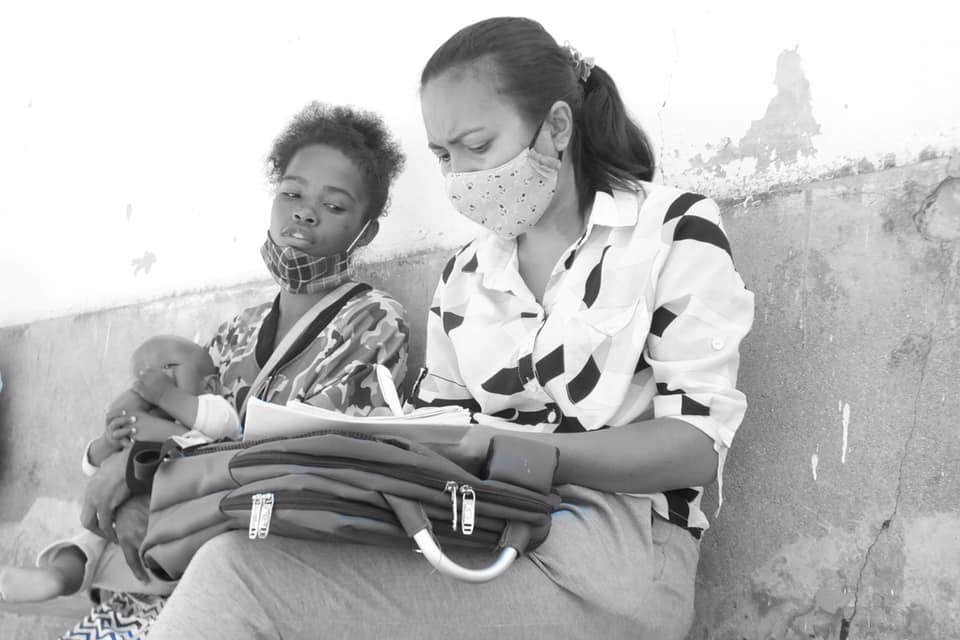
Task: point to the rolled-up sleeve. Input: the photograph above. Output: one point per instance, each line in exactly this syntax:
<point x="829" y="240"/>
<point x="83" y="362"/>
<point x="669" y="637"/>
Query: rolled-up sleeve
<point x="701" y="314"/>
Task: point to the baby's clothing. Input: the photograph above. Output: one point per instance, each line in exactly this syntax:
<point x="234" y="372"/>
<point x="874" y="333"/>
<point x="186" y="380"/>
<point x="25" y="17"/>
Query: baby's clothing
<point x="216" y="418"/>
<point x="106" y="566"/>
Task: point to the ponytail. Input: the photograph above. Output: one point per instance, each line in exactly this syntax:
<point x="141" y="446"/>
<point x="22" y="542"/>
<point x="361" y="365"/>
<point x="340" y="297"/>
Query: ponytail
<point x="608" y="149"/>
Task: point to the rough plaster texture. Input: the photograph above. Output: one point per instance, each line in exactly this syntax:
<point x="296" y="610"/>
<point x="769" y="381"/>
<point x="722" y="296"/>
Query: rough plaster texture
<point x="856" y="325"/>
<point x="840" y="517"/>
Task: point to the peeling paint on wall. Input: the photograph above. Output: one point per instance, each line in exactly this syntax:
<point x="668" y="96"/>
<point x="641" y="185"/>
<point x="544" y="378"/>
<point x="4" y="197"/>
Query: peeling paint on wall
<point x="845" y="422"/>
<point x="783" y="134"/>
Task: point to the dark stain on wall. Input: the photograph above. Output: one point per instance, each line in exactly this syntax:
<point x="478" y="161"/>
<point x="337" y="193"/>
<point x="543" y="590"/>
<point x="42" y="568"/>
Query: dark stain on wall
<point x="783" y="134"/>
<point x="144" y="263"/>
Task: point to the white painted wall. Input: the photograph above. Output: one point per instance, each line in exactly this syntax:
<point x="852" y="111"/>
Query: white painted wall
<point x="129" y="129"/>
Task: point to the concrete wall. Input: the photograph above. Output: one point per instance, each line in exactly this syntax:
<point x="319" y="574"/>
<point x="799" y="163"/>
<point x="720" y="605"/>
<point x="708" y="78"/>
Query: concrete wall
<point x="842" y="483"/>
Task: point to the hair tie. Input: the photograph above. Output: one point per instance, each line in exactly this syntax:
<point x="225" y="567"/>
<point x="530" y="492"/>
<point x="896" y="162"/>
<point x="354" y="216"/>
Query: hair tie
<point x="581" y="66"/>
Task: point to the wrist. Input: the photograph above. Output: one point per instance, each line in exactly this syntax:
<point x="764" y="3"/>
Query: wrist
<point x="100" y="449"/>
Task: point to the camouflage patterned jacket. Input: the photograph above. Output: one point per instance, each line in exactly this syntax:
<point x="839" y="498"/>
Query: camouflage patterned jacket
<point x="334" y="372"/>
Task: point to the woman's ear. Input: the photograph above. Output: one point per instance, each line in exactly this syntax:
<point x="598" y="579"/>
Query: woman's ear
<point x="211" y="384"/>
<point x="560" y="123"/>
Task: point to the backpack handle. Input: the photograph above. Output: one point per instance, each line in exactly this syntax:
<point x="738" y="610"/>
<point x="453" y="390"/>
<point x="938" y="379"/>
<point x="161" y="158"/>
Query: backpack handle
<point x="436" y="557"/>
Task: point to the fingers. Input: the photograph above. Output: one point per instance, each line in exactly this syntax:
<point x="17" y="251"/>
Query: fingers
<point x="121" y="429"/>
<point x="106" y="525"/>
<point x="88" y="518"/>
<point x="124" y="434"/>
<point x="120" y="422"/>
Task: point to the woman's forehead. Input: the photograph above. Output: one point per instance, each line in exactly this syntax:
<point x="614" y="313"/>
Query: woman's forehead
<point x="463" y="99"/>
<point x="322" y="165"/>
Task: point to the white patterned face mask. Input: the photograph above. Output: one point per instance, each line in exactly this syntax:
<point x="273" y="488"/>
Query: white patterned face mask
<point x="509" y="199"/>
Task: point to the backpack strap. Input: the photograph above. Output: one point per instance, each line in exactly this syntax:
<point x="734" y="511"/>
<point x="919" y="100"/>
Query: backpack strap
<point x="304" y="332"/>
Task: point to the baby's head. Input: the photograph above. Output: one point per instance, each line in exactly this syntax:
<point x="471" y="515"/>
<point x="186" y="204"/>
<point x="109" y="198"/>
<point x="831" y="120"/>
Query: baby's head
<point x="187" y="363"/>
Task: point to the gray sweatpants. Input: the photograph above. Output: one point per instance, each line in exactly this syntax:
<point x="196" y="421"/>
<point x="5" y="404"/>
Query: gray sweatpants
<point x="610" y="568"/>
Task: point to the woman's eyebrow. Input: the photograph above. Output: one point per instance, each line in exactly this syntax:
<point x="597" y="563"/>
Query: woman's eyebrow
<point x="326" y="187"/>
<point x="339" y="190"/>
<point x="457" y="138"/>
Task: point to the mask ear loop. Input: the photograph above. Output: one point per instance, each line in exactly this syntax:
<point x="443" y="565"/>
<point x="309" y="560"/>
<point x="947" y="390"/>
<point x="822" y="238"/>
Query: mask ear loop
<point x="363" y="230"/>
<point x="537" y="135"/>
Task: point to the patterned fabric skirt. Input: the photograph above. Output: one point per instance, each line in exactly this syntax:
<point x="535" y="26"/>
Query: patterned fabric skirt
<point x="122" y="616"/>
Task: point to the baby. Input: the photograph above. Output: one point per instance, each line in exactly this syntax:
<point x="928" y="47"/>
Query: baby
<point x="174" y="394"/>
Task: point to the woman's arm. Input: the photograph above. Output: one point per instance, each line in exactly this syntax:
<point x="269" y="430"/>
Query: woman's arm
<point x="645" y="457"/>
<point x="109" y="512"/>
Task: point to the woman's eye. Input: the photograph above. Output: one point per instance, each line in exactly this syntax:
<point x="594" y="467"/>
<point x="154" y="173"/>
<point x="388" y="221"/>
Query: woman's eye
<point x="479" y="148"/>
<point x="334" y="207"/>
<point x="169" y="366"/>
<point x="290" y="194"/>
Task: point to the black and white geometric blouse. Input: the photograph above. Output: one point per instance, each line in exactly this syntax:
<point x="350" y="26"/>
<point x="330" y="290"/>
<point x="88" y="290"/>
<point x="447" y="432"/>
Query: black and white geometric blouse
<point x="642" y="317"/>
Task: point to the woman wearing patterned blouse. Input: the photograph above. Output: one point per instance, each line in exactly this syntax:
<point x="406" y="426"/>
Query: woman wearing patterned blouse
<point x="599" y="312"/>
<point x="332" y="168"/>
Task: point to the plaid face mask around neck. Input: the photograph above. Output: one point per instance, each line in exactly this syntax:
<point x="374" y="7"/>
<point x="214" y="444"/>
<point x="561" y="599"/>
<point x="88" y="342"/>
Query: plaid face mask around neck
<point x="299" y="272"/>
<point x="509" y="199"/>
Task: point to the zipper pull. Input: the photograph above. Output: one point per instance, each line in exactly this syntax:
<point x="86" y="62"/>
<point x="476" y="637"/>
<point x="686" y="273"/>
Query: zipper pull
<point x="255" y="508"/>
<point x="266" y="513"/>
<point x="469" y="499"/>
<point x="452" y="488"/>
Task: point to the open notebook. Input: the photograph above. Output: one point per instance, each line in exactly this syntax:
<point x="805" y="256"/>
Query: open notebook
<point x="427" y="424"/>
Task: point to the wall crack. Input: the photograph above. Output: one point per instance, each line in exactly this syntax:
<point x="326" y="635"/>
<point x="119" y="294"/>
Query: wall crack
<point x="928" y="339"/>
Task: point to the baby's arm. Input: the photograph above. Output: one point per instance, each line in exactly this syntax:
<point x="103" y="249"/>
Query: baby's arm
<point x="119" y="428"/>
<point x="158" y="389"/>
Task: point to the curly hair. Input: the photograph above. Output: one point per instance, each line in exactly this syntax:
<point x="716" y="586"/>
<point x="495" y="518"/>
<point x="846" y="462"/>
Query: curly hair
<point x="360" y="135"/>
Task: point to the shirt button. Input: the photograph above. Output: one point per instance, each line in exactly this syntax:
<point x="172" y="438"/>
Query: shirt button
<point x="717" y="344"/>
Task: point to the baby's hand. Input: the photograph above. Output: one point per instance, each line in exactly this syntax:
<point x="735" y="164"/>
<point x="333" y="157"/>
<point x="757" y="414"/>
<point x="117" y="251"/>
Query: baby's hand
<point x="152" y="384"/>
<point x="120" y="428"/>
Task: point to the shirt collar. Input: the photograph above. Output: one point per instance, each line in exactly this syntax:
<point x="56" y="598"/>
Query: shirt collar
<point x="497" y="256"/>
<point x="617" y="210"/>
